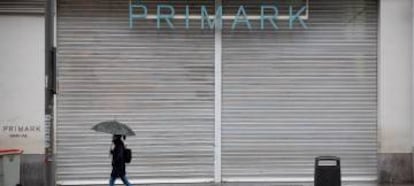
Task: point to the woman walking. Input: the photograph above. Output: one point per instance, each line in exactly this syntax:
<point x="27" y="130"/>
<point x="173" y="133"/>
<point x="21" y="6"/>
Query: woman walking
<point x="118" y="161"/>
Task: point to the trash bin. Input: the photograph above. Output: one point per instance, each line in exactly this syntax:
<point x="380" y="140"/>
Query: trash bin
<point x="10" y="167"/>
<point x="327" y="171"/>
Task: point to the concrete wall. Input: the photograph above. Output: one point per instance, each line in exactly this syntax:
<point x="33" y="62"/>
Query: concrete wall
<point x="22" y="60"/>
<point x="395" y="91"/>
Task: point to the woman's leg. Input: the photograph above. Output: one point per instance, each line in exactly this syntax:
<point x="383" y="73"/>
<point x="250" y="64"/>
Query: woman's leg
<point x="125" y="180"/>
<point x="112" y="181"/>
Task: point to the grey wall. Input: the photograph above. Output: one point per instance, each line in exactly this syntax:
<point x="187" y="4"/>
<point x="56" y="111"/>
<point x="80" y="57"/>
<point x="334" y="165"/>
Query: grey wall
<point x="395" y="91"/>
<point x="22" y="81"/>
<point x="395" y="76"/>
<point x="22" y="90"/>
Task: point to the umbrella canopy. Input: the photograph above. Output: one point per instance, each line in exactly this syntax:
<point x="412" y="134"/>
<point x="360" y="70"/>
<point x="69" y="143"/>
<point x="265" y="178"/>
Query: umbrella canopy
<point x="114" y="127"/>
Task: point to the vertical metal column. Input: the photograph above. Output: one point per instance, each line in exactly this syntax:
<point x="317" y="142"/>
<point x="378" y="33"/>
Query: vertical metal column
<point x="50" y="89"/>
<point x="218" y="95"/>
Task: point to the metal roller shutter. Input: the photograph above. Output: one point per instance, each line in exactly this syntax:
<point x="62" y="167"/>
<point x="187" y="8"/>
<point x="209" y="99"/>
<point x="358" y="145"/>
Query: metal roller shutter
<point x="23" y="6"/>
<point x="160" y="82"/>
<point x="292" y="95"/>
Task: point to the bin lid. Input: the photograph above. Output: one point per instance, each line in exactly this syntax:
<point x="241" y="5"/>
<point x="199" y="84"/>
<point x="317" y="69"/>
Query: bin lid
<point x="10" y="151"/>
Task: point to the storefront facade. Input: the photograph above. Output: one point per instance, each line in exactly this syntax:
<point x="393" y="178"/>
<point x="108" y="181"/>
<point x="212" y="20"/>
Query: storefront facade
<point x="228" y="104"/>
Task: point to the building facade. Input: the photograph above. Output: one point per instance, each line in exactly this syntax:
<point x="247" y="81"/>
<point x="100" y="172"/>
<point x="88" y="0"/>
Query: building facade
<point x="252" y="98"/>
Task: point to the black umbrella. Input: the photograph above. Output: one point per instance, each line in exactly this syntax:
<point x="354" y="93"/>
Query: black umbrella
<point x="114" y="127"/>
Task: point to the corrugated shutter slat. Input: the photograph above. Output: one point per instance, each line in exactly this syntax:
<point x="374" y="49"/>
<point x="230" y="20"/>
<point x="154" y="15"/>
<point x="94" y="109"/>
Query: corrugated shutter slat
<point x="292" y="95"/>
<point x="23" y="6"/>
<point x="160" y="82"/>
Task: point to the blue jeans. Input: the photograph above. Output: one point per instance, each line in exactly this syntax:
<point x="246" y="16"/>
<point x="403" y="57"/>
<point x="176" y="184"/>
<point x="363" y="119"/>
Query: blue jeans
<point x="123" y="178"/>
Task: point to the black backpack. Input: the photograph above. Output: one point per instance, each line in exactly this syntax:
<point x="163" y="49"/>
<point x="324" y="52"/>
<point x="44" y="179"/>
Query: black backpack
<point x="128" y="155"/>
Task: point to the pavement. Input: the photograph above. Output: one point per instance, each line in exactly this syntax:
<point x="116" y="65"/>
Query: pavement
<point x="271" y="184"/>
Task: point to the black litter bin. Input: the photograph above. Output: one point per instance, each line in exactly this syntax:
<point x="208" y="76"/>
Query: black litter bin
<point x="327" y="171"/>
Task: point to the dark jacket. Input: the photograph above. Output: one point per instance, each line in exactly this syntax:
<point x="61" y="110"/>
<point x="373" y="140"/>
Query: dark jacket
<point x="118" y="159"/>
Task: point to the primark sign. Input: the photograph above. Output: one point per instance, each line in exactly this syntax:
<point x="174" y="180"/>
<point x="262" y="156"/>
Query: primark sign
<point x="165" y="15"/>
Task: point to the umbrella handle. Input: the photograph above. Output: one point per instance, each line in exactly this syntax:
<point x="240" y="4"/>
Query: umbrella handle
<point x="110" y="149"/>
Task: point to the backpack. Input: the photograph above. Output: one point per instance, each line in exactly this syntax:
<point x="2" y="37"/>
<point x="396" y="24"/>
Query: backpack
<point x="128" y="155"/>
